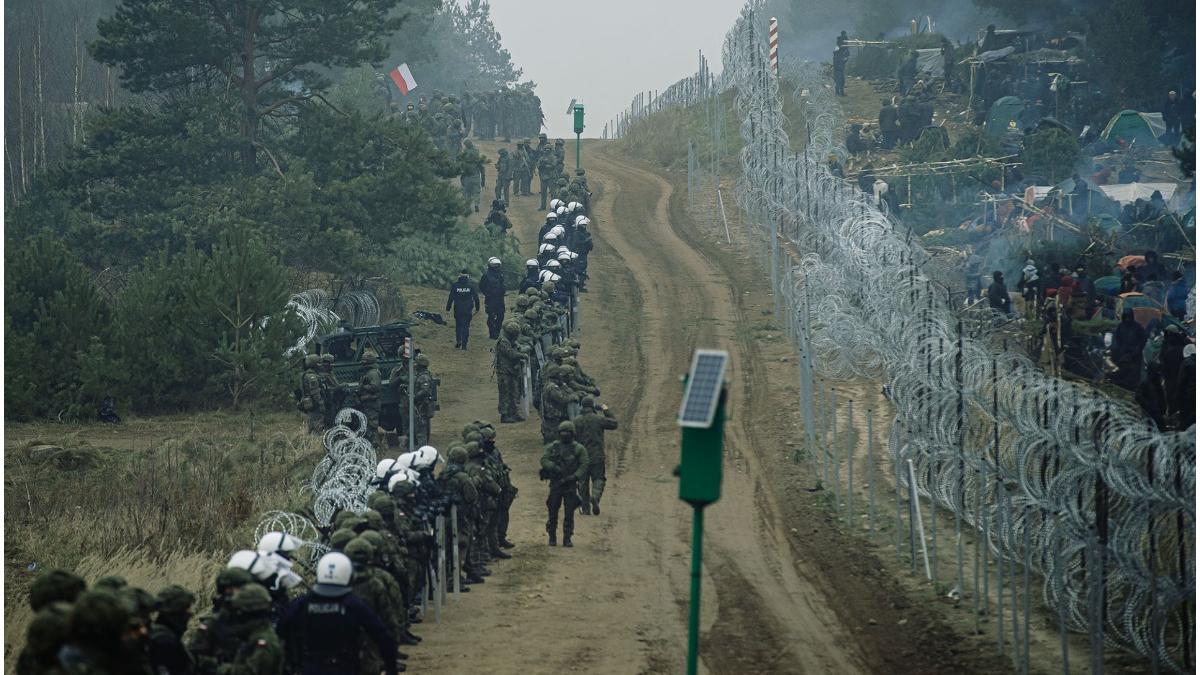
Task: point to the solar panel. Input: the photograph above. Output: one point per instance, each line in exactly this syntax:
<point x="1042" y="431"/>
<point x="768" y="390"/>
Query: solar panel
<point x="703" y="388"/>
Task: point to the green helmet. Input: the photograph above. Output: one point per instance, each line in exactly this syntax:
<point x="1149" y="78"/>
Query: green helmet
<point x="360" y="551"/>
<point x="511" y="329"/>
<point x="474" y="449"/>
<point x="473" y="437"/>
<point x="98" y="618"/>
<point x="250" y="600"/>
<point x="458" y="455"/>
<point x="340" y="538"/>
<point x="523" y="301"/>
<point x="531" y="314"/>
<point x="374" y="519"/>
<point x="311" y="360"/>
<point x="232" y="577"/>
<point x="369" y="357"/>
<point x="55" y="586"/>
<point x="421" y="361"/>
<point x="373" y="538"/>
<point x="566" y="426"/>
<point x="488" y="432"/>
<point x="384" y="504"/>
<point x="141" y="604"/>
<point x="327" y="358"/>
<point x="587" y="403"/>
<point x="175" y="599"/>
<point x="531" y="291"/>
<point x="111" y="583"/>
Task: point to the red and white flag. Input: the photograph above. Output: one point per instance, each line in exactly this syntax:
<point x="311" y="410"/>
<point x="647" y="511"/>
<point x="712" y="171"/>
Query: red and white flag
<point x="403" y="78"/>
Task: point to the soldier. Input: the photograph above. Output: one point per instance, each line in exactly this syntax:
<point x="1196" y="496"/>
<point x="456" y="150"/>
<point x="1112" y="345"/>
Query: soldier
<point x="167" y="653"/>
<point x="547" y="169"/>
<point x="257" y="650"/>
<point x="311" y="401"/>
<point x="519" y="164"/>
<point x="323" y="629"/>
<point x="50" y="597"/>
<point x="369" y="384"/>
<point x="510" y="368"/>
<point x="508" y="492"/>
<point x="577" y="191"/>
<point x="590" y="426"/>
<point x="503" y="174"/>
<point x="424" y="401"/>
<point x="564" y="464"/>
<point x="560" y="153"/>
<point x="489" y="491"/>
<point x="556" y="396"/>
<point x="387" y="564"/>
<point x="212" y="643"/>
<point x="472" y="178"/>
<point x="97" y="630"/>
<point x="332" y="391"/>
<point x="457" y="485"/>
<point x="491" y="284"/>
<point x="369" y="587"/>
<point x="530" y="168"/>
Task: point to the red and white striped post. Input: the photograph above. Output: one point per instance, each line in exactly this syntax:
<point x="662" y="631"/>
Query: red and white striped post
<point x="773" y="41"/>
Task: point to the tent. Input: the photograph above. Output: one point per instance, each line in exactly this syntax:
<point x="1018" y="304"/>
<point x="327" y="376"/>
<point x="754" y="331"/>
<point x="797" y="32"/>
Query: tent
<point x="1132" y="126"/>
<point x="1145" y="309"/>
<point x="1003" y="116"/>
<point x="1108" y="285"/>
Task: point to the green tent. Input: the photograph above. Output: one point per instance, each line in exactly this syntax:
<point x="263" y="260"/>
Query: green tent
<point x="1003" y="116"/>
<point x="1133" y="127"/>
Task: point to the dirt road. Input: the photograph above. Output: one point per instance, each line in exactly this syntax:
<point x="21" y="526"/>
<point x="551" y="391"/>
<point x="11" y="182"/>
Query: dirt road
<point x="617" y="602"/>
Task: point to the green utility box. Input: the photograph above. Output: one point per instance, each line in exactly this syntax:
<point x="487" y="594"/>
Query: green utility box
<point x="700" y="461"/>
<point x="579" y="118"/>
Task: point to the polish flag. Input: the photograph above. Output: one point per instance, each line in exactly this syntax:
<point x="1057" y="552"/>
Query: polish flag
<point x="403" y="78"/>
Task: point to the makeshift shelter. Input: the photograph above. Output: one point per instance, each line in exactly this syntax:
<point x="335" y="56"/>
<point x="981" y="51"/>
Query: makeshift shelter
<point x="1145" y="309"/>
<point x="931" y="62"/>
<point x="1107" y="285"/>
<point x="1127" y="193"/>
<point x="1003" y="116"/>
<point x="1131" y="126"/>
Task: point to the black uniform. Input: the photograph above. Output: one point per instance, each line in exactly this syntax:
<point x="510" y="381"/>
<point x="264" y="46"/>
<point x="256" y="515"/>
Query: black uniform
<point x="530" y="280"/>
<point x="491" y="284"/>
<point x="464" y="299"/>
<point x="323" y="634"/>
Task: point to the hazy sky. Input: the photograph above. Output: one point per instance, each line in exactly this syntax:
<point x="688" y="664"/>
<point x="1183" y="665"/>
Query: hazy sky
<point x="604" y="51"/>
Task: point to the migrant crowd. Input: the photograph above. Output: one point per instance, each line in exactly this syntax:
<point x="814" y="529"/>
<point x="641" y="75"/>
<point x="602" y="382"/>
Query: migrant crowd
<point x="451" y="119"/>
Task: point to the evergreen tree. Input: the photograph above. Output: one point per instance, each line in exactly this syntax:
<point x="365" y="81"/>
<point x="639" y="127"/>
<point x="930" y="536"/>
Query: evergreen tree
<point x="269" y="52"/>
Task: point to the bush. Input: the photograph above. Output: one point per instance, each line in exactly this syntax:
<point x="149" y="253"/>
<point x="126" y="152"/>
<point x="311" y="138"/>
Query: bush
<point x="1050" y="152"/>
<point x="429" y="259"/>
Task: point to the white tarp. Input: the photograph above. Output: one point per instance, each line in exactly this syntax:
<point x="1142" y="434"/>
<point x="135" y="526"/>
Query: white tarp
<point x="1127" y="193"/>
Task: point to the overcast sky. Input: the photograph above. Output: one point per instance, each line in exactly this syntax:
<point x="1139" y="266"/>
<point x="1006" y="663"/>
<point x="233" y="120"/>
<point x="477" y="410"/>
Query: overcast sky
<point x="604" y="51"/>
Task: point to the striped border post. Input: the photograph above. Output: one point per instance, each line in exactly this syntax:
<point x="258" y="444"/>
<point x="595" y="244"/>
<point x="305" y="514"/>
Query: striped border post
<point x="773" y="40"/>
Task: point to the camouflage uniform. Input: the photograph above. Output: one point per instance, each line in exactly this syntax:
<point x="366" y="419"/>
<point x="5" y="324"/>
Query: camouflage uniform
<point x="472" y="177"/>
<point x="556" y="396"/>
<point x="510" y="370"/>
<point x="530" y="168"/>
<point x="369" y="385"/>
<point x="590" y="426"/>
<point x="457" y="485"/>
<point x="500" y="472"/>
<point x="257" y="651"/>
<point x="489" y="492"/>
<point x="560" y="153"/>
<point x="564" y="463"/>
<point x="424" y="401"/>
<point x="520" y="164"/>
<point x="311" y="401"/>
<point x="547" y="169"/>
<point x="503" y="174"/>
<point x="367" y="583"/>
<point x="333" y="393"/>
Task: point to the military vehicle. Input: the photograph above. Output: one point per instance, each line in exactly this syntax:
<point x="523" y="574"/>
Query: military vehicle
<point x="387" y="342"/>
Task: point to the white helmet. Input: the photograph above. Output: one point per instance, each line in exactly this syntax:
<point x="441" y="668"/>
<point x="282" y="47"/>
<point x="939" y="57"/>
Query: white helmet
<point x="403" y="477"/>
<point x="333" y="575"/>
<point x="493" y="261"/>
<point x="387" y="467"/>
<point x="278" y="542"/>
<point x="405" y="460"/>
<point x="532" y="262"/>
<point x="260" y="565"/>
<point x="552" y="264"/>
<point x="564" y="255"/>
<point x="574" y="255"/>
<point x="551" y="235"/>
<point x="574" y="206"/>
<point x="582" y="220"/>
<point x="547" y="275"/>
<point x="563" y="248"/>
<point x="545" y="248"/>
<point x="427" y="457"/>
<point x="559" y="230"/>
<point x="551" y="216"/>
<point x="555" y="203"/>
<point x="562" y="210"/>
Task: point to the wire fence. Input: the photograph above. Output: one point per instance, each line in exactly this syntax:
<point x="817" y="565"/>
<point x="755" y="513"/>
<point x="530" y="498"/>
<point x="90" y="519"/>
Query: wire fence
<point x="1046" y="476"/>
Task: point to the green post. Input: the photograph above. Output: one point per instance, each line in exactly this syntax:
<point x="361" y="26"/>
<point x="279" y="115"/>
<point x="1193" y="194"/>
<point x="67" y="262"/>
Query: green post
<point x="578" y="119"/>
<point x="694" y="607"/>
<point x="702" y="418"/>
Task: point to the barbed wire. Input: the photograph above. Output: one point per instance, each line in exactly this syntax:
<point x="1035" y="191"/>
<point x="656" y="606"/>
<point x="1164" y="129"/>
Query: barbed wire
<point x="1053" y="472"/>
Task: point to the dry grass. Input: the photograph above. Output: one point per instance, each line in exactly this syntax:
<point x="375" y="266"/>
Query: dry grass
<point x="156" y="501"/>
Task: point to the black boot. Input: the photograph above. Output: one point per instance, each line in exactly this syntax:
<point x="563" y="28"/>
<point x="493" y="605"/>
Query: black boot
<point x="567" y="541"/>
<point x="595" y="506"/>
<point x="504" y="543"/>
<point x="553" y="539"/>
<point x="501" y="555"/>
